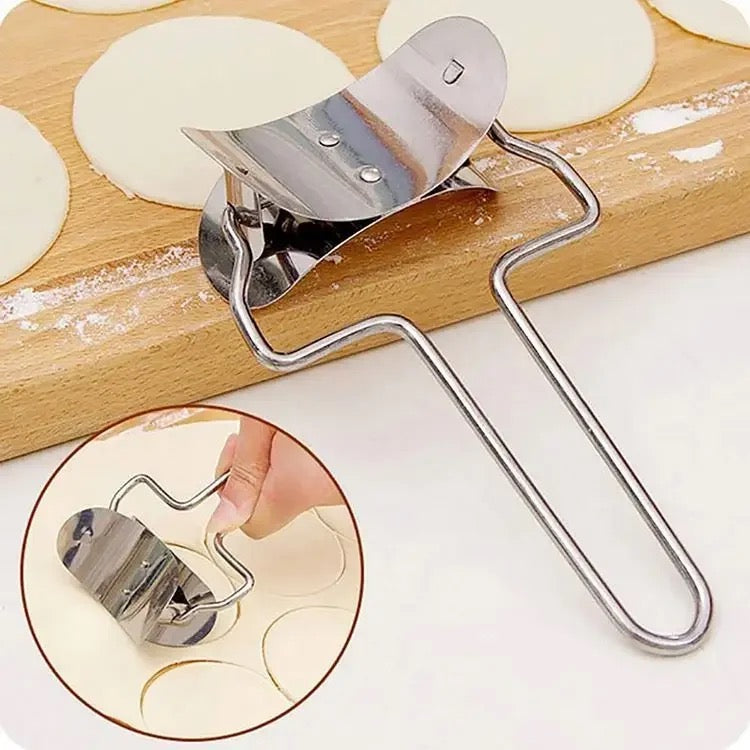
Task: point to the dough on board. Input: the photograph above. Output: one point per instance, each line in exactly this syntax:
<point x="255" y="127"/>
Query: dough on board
<point x="723" y="20"/>
<point x="105" y="6"/>
<point x="209" y="699"/>
<point x="213" y="72"/>
<point x="34" y="193"/>
<point x="568" y="62"/>
<point x="304" y="643"/>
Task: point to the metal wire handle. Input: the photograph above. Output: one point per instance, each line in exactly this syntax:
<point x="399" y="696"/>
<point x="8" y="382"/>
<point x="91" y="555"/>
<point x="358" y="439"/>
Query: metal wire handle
<point x="218" y="540"/>
<point x="666" y="644"/>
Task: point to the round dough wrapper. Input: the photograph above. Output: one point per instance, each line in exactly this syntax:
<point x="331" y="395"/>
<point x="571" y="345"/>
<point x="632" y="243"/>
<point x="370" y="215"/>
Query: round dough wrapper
<point x="568" y="62"/>
<point x="338" y="519"/>
<point x="203" y="700"/>
<point x="302" y="646"/>
<point x="303" y="558"/>
<point x="34" y="194"/>
<point x="718" y="19"/>
<point x="213" y="72"/>
<point x="105" y="6"/>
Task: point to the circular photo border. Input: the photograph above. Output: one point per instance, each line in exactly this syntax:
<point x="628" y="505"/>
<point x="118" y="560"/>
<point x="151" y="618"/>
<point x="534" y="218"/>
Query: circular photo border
<point x="113" y="720"/>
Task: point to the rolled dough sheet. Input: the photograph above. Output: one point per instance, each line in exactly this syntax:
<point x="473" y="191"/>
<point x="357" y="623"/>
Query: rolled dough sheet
<point x="304" y="643"/>
<point x="205" y="699"/>
<point x="70" y="626"/>
<point x="302" y="558"/>
<point x="34" y="193"/>
<point x="105" y="6"/>
<point x="213" y="72"/>
<point x="568" y="62"/>
<point x="722" y="20"/>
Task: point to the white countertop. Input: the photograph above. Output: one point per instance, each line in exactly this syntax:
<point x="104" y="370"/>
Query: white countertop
<point x="474" y="632"/>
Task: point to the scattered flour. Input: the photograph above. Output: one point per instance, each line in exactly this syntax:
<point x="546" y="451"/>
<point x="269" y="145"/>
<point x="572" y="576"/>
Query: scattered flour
<point x="637" y="157"/>
<point x="678" y="114"/>
<point x="333" y="258"/>
<point x="29" y="301"/>
<point x="668" y="117"/>
<point x="23" y="304"/>
<point x="699" y="153"/>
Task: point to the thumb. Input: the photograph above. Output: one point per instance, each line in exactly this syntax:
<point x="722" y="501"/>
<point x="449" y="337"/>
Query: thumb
<point x="250" y="457"/>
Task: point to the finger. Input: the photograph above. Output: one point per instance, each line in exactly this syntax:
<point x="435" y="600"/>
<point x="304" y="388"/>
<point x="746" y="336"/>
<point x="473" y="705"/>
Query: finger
<point x="295" y="482"/>
<point x="226" y="457"/>
<point x="250" y="461"/>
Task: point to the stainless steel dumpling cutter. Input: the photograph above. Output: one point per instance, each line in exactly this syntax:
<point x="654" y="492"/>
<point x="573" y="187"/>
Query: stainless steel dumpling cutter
<point x="140" y="581"/>
<point x="297" y="189"/>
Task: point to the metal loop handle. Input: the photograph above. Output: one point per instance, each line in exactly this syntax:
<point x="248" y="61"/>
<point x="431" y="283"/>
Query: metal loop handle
<point x="669" y="644"/>
<point x="218" y="540"/>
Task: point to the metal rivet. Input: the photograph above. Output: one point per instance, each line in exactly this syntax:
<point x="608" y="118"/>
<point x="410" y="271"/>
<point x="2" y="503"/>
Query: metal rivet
<point x="241" y="169"/>
<point x="127" y="592"/>
<point x="145" y="564"/>
<point x="329" y="140"/>
<point x="370" y="174"/>
<point x="453" y="72"/>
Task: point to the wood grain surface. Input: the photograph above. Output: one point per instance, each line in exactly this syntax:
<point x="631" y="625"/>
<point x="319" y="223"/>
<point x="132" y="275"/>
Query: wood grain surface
<point x="118" y="317"/>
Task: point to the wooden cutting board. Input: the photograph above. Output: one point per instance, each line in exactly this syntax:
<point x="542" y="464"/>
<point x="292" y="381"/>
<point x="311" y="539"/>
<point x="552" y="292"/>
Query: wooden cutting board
<point x="119" y="317"/>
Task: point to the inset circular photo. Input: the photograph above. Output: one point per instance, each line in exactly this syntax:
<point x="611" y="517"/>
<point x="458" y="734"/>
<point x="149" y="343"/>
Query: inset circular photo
<point x="192" y="573"/>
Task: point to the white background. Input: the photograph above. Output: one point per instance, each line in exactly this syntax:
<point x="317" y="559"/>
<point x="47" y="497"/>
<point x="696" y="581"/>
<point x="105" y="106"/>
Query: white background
<point x="473" y="630"/>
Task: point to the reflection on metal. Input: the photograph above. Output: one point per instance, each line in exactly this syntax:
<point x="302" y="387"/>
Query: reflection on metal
<point x="149" y="591"/>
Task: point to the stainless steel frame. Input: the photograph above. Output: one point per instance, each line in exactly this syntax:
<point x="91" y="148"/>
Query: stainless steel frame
<point x="148" y="590"/>
<point x="295" y="191"/>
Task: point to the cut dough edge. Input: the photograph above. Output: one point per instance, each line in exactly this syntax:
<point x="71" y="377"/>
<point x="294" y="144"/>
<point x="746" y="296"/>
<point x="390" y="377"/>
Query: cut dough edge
<point x="33" y="152"/>
<point x="348" y="621"/>
<point x="183" y="175"/>
<point x="716" y="20"/>
<point x="105" y="7"/>
<point x="272" y="694"/>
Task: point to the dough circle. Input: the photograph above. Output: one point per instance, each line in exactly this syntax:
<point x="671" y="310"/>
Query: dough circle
<point x="568" y="62"/>
<point x="213" y="72"/>
<point x="34" y="194"/>
<point x="303" y="558"/>
<point x="301" y="647"/>
<point x="204" y="700"/>
<point x="105" y="6"/>
<point x="717" y="19"/>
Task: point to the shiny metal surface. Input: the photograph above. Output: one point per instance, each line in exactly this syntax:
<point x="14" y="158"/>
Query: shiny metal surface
<point x="134" y="576"/>
<point x="184" y="611"/>
<point x="148" y="590"/>
<point x="327" y="173"/>
<point x="285" y="247"/>
<point x="252" y="274"/>
<point x="402" y="118"/>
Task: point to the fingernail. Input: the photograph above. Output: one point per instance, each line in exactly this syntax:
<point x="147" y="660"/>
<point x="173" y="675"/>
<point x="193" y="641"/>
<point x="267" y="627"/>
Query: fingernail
<point x="225" y="518"/>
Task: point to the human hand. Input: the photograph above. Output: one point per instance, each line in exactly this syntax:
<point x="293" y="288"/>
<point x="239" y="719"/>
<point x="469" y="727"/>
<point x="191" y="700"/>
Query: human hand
<point x="272" y="479"/>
